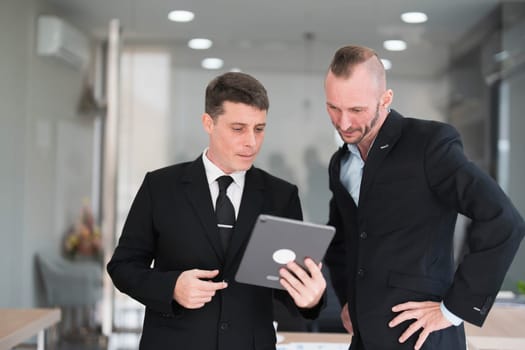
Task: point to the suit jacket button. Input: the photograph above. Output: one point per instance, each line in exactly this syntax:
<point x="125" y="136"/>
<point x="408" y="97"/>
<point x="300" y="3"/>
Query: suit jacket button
<point x="361" y="273"/>
<point x="224" y="326"/>
<point x="363" y="235"/>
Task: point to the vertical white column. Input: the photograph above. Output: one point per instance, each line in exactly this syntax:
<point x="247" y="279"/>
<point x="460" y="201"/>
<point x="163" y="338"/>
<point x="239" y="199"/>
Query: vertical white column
<point x="503" y="137"/>
<point x="109" y="165"/>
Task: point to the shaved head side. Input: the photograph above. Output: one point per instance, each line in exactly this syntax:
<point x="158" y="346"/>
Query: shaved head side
<point x="348" y="57"/>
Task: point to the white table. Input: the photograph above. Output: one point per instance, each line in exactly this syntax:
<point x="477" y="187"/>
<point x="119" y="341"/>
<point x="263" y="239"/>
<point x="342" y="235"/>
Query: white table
<point x="19" y="325"/>
<point x="504" y="329"/>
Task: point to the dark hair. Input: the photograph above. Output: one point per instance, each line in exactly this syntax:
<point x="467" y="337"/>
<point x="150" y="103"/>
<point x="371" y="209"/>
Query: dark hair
<point x="235" y="87"/>
<point x="347" y="57"/>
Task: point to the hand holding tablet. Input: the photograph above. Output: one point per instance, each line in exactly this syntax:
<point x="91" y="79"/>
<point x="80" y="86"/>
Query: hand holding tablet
<point x="276" y="241"/>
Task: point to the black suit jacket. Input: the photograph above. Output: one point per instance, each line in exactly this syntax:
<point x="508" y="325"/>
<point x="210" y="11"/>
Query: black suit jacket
<point x="397" y="245"/>
<point x="172" y="222"/>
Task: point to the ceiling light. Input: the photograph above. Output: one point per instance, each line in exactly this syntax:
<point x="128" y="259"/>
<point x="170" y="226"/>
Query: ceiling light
<point x="181" y="16"/>
<point x="414" y="17"/>
<point x="395" y="45"/>
<point x="212" y="63"/>
<point x="386" y="63"/>
<point x="200" y="43"/>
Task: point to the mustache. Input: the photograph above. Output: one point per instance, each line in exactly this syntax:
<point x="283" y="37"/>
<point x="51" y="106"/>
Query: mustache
<point x="350" y="129"/>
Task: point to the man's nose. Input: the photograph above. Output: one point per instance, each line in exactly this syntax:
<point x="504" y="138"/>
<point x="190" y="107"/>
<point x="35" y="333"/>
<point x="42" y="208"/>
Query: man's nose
<point x="249" y="139"/>
<point x="345" y="122"/>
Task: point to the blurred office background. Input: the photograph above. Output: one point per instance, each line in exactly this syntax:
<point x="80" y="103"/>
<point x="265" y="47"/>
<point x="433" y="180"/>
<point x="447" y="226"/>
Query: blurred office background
<point x="122" y="93"/>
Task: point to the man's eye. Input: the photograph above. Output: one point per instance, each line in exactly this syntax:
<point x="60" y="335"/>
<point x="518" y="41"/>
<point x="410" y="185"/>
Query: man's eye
<point x="259" y="129"/>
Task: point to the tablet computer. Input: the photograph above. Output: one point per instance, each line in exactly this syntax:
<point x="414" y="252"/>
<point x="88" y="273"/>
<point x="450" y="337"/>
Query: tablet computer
<point x="274" y="242"/>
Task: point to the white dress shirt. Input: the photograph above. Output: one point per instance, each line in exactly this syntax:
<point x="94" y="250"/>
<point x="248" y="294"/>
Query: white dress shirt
<point x="234" y="191"/>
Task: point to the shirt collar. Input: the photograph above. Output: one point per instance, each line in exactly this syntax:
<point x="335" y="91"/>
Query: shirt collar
<point x="213" y="171"/>
<point x="354" y="150"/>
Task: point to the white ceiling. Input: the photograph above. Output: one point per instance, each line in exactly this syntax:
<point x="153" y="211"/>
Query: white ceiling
<point x="270" y="34"/>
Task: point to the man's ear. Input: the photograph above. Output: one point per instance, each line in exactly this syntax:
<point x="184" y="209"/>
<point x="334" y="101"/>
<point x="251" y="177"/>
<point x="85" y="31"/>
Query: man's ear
<point x="387" y="98"/>
<point x="207" y="122"/>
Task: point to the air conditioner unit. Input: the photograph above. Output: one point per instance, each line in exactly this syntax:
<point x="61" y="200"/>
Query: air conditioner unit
<point x="59" y="39"/>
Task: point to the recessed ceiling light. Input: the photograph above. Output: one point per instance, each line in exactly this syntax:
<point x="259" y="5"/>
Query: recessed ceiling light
<point x="200" y="43"/>
<point x="181" y="16"/>
<point x="414" y="17"/>
<point x="212" y="63"/>
<point x="386" y="63"/>
<point x="395" y="45"/>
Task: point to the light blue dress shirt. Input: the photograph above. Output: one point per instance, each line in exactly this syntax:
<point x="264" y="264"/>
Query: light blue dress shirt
<point x="352" y="172"/>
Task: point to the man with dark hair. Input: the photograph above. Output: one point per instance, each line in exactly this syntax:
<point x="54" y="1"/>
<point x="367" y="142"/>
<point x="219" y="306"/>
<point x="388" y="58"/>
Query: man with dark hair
<point x="397" y="186"/>
<point x="193" y="220"/>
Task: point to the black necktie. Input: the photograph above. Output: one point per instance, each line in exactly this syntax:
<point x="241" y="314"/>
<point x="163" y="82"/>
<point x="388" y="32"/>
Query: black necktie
<point x="224" y="211"/>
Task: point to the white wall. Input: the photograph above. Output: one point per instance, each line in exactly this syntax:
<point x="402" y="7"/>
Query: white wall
<point x="144" y="138"/>
<point x="13" y="74"/>
<point x="46" y="151"/>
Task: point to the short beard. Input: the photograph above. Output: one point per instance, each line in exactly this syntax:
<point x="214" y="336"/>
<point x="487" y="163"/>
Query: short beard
<point x="375" y="118"/>
<point x="373" y="123"/>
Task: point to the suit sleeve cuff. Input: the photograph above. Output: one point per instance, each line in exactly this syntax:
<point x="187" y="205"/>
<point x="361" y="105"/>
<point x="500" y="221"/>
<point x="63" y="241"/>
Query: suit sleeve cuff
<point x="456" y="321"/>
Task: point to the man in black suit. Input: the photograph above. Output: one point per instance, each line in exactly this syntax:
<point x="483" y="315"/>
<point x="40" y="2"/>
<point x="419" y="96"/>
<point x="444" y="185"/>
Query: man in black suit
<point x="178" y="257"/>
<point x="397" y="186"/>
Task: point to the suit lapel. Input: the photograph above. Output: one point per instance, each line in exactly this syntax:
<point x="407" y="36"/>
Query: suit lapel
<point x="251" y="206"/>
<point x="198" y="194"/>
<point x="384" y="143"/>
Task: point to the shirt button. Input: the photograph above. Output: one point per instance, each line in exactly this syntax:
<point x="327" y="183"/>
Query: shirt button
<point x="363" y="235"/>
<point x="361" y="273"/>
<point x="224" y="326"/>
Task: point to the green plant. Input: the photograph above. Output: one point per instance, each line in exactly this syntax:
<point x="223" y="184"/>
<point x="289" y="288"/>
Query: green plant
<point x="521" y="286"/>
